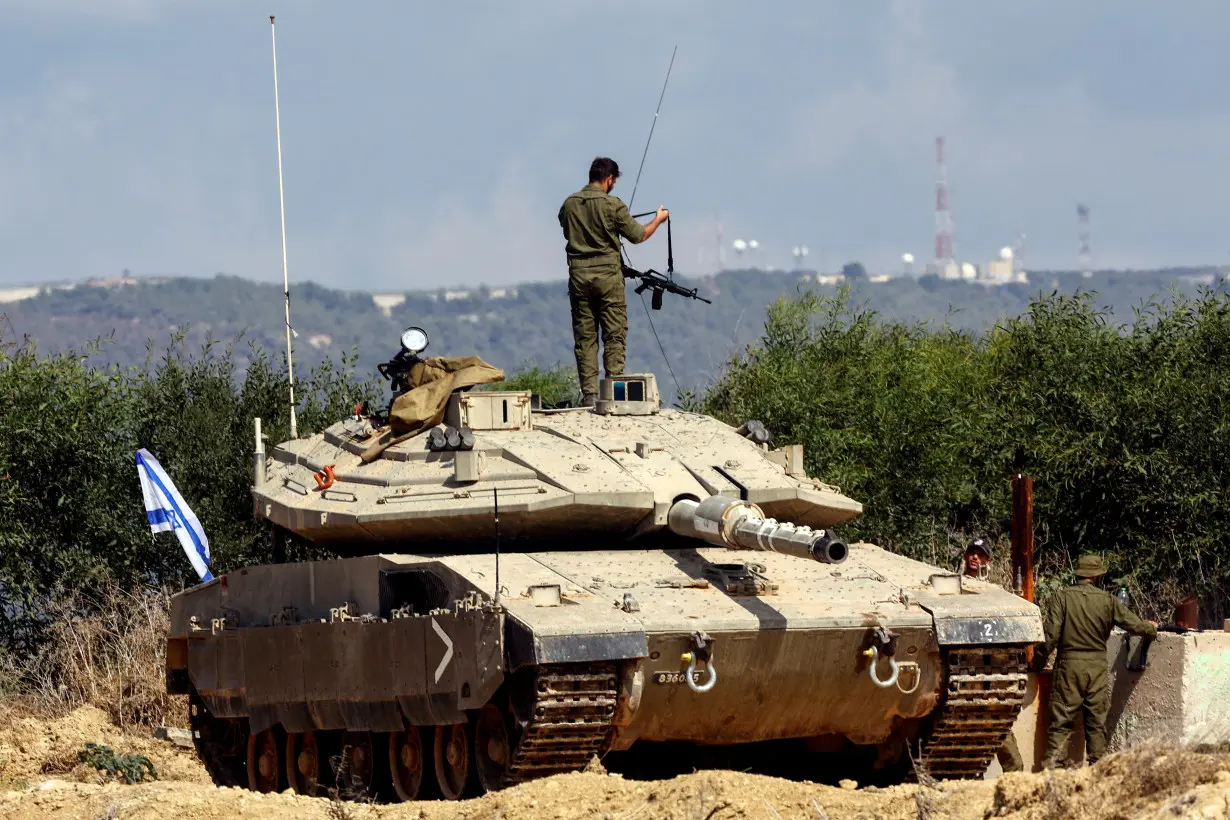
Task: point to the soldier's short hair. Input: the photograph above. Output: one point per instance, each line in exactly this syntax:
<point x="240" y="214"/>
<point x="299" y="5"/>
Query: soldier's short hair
<point x="603" y="167"/>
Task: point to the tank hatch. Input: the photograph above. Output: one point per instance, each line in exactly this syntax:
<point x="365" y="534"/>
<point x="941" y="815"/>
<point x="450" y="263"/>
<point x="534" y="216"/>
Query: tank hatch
<point x="634" y="394"/>
<point x="489" y="410"/>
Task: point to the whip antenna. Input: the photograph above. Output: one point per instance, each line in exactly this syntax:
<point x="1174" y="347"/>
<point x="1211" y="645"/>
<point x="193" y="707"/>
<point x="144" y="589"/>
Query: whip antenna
<point x="631" y="199"/>
<point x="495" y="494"/>
<point x="277" y="119"/>
<point x="652" y="125"/>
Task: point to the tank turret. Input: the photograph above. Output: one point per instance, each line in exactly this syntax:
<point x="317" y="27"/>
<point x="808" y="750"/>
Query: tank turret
<point x="612" y="472"/>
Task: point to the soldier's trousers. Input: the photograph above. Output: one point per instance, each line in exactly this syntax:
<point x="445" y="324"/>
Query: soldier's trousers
<point x="597" y="298"/>
<point x="1009" y="755"/>
<point x="1080" y="684"/>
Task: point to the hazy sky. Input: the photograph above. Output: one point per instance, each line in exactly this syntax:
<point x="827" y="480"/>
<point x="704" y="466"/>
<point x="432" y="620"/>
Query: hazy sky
<point x="431" y="143"/>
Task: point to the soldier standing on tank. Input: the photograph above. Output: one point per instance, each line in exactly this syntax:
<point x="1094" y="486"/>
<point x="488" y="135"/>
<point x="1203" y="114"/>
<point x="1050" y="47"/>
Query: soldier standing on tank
<point x="593" y="223"/>
<point x="977" y="564"/>
<point x="1078" y="624"/>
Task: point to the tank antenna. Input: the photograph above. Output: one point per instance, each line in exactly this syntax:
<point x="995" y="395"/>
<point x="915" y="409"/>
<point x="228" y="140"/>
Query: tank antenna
<point x="277" y="119"/>
<point x="652" y="126"/>
<point x="495" y="495"/>
<point x="632" y="199"/>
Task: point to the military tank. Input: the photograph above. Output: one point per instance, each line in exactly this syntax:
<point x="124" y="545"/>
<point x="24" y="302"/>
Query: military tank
<point x="522" y="588"/>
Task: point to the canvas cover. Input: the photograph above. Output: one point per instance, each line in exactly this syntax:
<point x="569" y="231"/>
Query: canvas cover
<point x="431" y="381"/>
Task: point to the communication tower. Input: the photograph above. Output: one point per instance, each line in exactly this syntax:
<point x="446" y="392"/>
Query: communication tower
<point x="945" y="259"/>
<point x="1083" y="257"/>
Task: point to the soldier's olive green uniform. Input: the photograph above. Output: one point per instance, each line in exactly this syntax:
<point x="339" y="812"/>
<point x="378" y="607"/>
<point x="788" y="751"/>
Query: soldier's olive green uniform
<point x="1078" y="625"/>
<point x="1009" y="755"/>
<point x="593" y="222"/>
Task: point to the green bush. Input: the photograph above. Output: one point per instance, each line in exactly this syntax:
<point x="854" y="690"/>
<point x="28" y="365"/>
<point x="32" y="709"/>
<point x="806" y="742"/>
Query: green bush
<point x="1125" y="429"/>
<point x="553" y="386"/>
<point x="71" y="514"/>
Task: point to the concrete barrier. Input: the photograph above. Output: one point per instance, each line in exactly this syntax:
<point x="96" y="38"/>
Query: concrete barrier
<point x="1182" y="696"/>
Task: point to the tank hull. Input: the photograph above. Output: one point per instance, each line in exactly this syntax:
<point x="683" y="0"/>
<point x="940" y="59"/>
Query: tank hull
<point x="380" y="643"/>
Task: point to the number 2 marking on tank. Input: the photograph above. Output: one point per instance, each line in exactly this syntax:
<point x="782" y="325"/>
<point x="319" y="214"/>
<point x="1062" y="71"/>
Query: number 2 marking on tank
<point x="448" y="649"/>
<point x="675" y="677"/>
<point x="988" y="630"/>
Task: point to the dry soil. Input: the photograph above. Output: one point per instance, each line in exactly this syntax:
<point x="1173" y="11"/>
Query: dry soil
<point x="41" y="777"/>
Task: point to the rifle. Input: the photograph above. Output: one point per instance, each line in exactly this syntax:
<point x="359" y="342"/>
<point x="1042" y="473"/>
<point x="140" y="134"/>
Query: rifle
<point x="656" y="282"/>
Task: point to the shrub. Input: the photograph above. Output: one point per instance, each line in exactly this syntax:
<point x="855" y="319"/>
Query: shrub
<point x="1125" y="429"/>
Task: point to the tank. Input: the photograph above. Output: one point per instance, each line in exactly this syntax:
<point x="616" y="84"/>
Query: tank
<point x="520" y="589"/>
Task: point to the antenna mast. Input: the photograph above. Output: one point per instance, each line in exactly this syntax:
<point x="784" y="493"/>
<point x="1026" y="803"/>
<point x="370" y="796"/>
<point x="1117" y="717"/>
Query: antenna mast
<point x="1083" y="257"/>
<point x="277" y="118"/>
<point x="495" y="494"/>
<point x="945" y="259"/>
<point x="652" y="126"/>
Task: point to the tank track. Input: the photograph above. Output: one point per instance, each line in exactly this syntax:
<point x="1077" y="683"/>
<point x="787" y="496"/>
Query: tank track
<point x="221" y="744"/>
<point x="986" y="689"/>
<point x="570" y="720"/>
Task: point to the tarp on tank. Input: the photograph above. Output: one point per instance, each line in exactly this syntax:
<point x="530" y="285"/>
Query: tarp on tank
<point x="431" y="381"/>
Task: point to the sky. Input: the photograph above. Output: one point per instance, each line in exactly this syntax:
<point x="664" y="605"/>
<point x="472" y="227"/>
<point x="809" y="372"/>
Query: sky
<point x="430" y="144"/>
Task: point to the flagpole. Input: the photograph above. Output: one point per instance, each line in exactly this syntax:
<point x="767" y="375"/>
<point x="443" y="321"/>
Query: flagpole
<point x="277" y="118"/>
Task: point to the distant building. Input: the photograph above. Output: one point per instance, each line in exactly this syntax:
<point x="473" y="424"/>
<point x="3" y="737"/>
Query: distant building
<point x="945" y="270"/>
<point x="18" y="294"/>
<point x="113" y="281"/>
<point x="1003" y="270"/>
<point x="387" y="301"/>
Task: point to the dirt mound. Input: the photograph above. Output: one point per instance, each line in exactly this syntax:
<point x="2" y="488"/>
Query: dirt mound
<point x="33" y="749"/>
<point x="701" y="796"/>
<point x="39" y="770"/>
<point x="1141" y="782"/>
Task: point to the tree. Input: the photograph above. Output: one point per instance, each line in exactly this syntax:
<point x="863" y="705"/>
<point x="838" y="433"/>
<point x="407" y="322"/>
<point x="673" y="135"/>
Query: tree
<point x="854" y="272"/>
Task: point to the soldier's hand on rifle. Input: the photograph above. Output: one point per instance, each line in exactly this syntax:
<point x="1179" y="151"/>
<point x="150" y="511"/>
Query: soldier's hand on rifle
<point x="661" y="215"/>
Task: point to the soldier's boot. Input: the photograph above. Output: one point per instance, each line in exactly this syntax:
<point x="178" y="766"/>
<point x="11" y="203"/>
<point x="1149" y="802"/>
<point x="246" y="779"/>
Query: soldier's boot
<point x="589" y="399"/>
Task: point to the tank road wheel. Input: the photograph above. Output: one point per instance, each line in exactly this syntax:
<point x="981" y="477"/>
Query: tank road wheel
<point x="357" y="773"/>
<point x="303" y="763"/>
<point x="264" y="769"/>
<point x="451" y="751"/>
<point x="408" y="762"/>
<point x="492" y="748"/>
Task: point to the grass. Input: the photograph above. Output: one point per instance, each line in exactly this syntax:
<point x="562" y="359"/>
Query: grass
<point x="107" y="651"/>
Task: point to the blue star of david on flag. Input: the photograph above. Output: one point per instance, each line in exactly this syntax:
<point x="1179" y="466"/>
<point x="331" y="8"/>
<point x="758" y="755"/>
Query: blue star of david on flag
<point x="168" y="512"/>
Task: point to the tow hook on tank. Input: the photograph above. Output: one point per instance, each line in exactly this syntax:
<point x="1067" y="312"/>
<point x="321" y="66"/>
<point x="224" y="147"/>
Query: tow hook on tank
<point x="702" y="651"/>
<point x="883" y="642"/>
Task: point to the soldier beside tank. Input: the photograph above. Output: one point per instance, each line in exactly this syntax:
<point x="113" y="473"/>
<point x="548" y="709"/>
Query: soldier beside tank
<point x="1078" y="625"/>
<point x="594" y="222"/>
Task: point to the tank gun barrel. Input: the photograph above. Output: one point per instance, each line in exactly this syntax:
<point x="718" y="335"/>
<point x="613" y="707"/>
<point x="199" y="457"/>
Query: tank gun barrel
<point x="728" y="522"/>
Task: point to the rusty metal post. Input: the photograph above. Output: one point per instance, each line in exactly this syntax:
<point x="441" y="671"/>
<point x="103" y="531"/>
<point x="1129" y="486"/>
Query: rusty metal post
<point x="1023" y="541"/>
<point x="1187" y="613"/>
<point x="1023" y="536"/>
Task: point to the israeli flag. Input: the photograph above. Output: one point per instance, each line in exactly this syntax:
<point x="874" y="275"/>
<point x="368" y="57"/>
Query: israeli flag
<point x="167" y="512"/>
